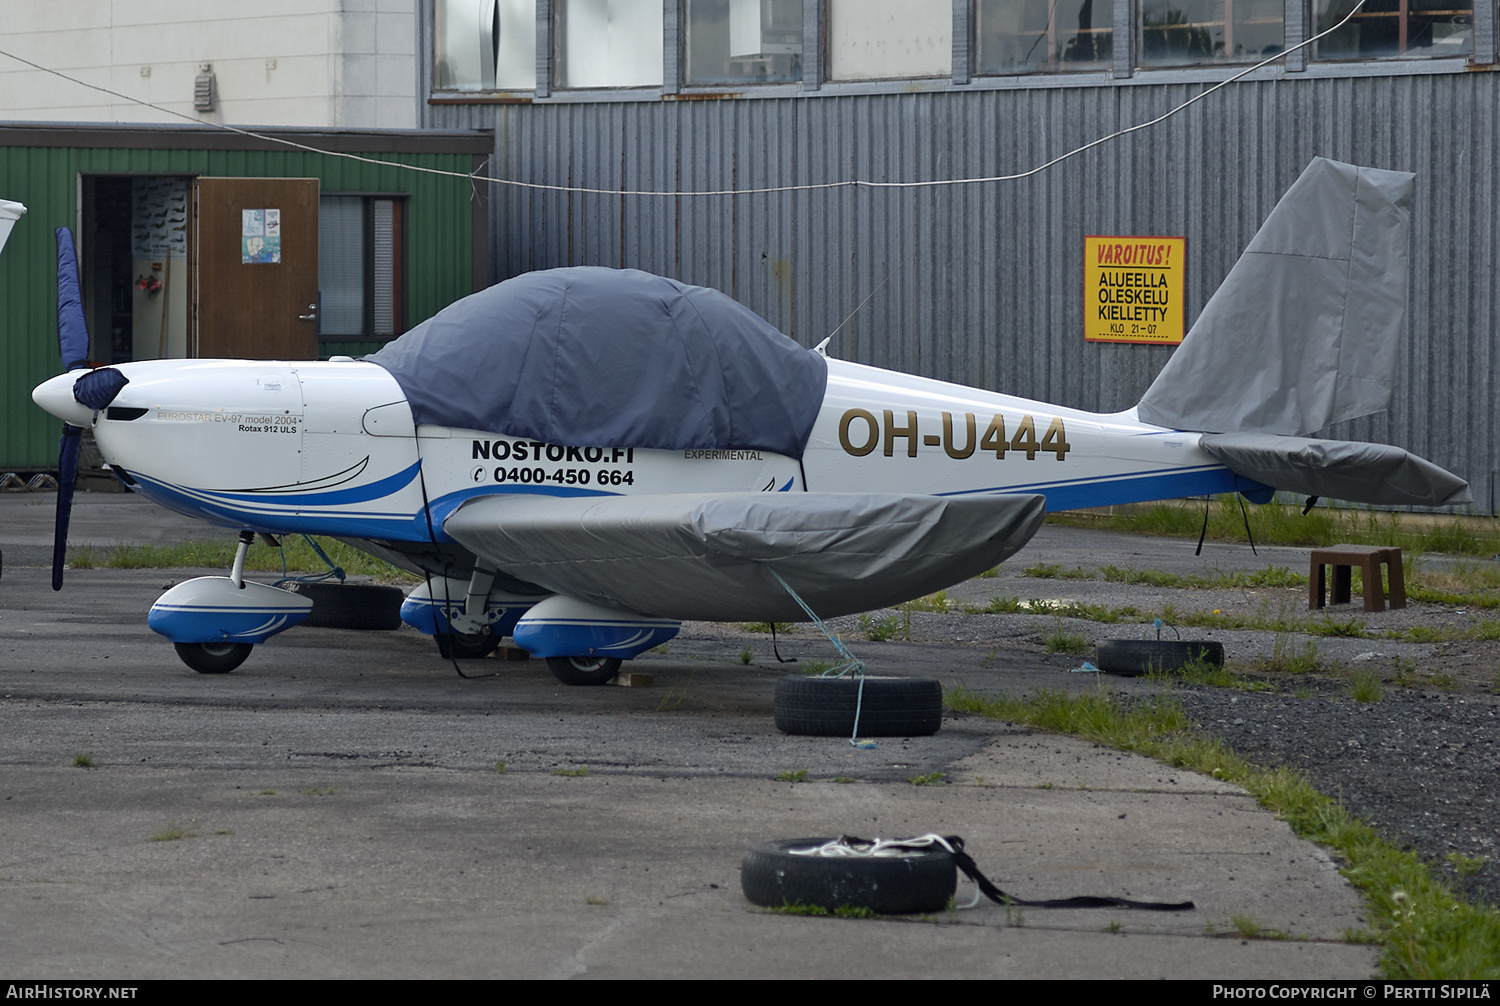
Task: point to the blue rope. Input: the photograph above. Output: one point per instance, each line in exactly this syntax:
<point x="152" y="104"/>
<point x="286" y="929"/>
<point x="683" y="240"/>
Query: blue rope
<point x="852" y="664"/>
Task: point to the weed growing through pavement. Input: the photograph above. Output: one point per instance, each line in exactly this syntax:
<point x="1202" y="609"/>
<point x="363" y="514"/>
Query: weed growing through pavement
<point x="172" y="832"/>
<point x="798" y="775"/>
<point x="842" y="911"/>
<point x="83" y="760"/>
<point x="746" y="655"/>
<point x="1060" y="640"/>
<point x="930" y="779"/>
<point x="880" y="630"/>
<point x="1366" y="687"/>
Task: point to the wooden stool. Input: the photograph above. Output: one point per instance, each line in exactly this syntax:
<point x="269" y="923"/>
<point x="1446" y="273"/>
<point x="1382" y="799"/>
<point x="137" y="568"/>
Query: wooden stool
<point x="1368" y="558"/>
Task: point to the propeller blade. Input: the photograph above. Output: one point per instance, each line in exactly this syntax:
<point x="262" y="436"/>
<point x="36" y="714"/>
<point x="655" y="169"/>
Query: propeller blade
<point x="67" y="474"/>
<point x="73" y="345"/>
<point x="72" y="331"/>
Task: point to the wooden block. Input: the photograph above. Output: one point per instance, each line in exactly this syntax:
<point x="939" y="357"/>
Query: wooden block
<point x="635" y="679"/>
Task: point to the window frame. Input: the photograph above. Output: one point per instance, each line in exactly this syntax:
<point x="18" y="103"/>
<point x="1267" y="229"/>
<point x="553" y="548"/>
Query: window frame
<point x="398" y="262"/>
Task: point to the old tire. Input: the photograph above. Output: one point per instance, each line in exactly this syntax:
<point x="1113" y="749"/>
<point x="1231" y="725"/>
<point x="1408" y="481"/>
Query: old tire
<point x="584" y="670"/>
<point x="1133" y="657"/>
<point x="891" y="707"/>
<point x="213" y="658"/>
<point x="922" y="881"/>
<point x="352" y="605"/>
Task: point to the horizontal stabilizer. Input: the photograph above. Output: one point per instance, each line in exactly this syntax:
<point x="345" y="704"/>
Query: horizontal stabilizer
<point x="710" y="557"/>
<point x="1338" y="469"/>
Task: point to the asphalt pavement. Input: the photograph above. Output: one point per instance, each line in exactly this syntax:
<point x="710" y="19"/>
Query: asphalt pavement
<point x="344" y="805"/>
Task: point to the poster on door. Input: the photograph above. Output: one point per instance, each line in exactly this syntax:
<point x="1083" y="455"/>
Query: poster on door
<point x="260" y="237"/>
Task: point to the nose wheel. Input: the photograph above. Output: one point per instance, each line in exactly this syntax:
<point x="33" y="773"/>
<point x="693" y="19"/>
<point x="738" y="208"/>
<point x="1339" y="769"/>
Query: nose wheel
<point x="213" y="658"/>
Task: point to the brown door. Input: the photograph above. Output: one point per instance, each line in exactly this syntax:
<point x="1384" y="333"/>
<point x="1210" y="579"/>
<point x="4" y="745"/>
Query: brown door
<point x="256" y="252"/>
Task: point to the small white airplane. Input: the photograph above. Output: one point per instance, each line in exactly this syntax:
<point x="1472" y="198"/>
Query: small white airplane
<point x="580" y="459"/>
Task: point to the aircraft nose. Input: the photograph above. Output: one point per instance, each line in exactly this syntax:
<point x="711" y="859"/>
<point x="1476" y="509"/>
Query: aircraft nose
<point x="56" y="396"/>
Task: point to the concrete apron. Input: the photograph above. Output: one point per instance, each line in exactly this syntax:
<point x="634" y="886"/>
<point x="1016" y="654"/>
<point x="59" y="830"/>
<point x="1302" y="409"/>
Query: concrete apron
<point x="414" y="872"/>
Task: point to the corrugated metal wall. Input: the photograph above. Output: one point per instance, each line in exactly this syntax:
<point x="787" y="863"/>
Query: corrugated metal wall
<point x="439" y="239"/>
<point x="983" y="283"/>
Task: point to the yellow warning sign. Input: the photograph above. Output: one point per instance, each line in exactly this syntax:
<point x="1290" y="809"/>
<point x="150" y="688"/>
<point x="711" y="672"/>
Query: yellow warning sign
<point x="1132" y="289"/>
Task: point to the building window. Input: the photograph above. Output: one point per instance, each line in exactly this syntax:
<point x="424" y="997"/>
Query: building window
<point x="484" y="45"/>
<point x="743" y="41"/>
<point x="887" y="39"/>
<point x="1385" y="29"/>
<point x="1029" y="36"/>
<point x="360" y="266"/>
<point x="608" y="43"/>
<point x="1187" y="32"/>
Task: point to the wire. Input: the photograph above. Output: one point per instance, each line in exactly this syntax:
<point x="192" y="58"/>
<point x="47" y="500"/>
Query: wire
<point x="675" y="193"/>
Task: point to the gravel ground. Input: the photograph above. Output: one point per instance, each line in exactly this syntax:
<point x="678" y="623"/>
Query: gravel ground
<point x="1423" y="767"/>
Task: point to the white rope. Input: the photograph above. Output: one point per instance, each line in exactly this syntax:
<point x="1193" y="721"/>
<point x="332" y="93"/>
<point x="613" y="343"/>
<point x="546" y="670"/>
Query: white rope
<point x="884" y="848"/>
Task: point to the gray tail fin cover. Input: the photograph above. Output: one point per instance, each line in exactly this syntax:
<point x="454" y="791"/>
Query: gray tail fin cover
<point x="1303" y="331"/>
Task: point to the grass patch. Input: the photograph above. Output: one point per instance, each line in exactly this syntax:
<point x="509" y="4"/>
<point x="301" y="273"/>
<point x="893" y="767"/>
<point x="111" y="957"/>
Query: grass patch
<point x="83" y="760"/>
<point x="746" y="655"/>
<point x="1428" y="930"/>
<point x="932" y="602"/>
<point x="930" y="779"/>
<point x="1060" y="640"/>
<point x="1202" y="672"/>
<point x="799" y="775"/>
<point x="880" y="630"/>
<point x="499" y="768"/>
<point x="1277" y="524"/>
<point x="300" y="557"/>
<point x="1366" y="687"/>
<point x="172" y="832"/>
<point x="781" y="628"/>
<point x="1290" y="657"/>
<point x="572" y="773"/>
<point x="842" y="911"/>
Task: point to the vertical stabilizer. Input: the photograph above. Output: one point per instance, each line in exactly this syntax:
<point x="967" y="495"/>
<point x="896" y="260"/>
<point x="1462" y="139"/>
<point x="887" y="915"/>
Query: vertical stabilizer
<point x="1303" y="331"/>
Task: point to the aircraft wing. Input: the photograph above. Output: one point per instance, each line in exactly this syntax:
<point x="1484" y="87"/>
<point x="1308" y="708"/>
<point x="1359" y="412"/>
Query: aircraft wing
<point x="710" y="556"/>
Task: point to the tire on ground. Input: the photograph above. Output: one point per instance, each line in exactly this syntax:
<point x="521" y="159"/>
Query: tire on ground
<point x="891" y="707"/>
<point x="352" y="605"/>
<point x="773" y="876"/>
<point x="1141" y="656"/>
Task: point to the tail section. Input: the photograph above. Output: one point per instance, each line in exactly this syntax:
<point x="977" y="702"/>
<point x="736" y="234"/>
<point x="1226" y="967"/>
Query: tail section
<point x="1308" y="319"/>
<point x="1303" y="334"/>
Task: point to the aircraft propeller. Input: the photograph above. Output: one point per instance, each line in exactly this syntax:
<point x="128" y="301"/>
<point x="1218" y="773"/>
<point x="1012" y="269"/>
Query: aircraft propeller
<point x="93" y="390"/>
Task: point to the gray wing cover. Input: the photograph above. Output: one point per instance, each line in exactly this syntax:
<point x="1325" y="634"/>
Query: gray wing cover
<point x="591" y="357"/>
<point x="1338" y="469"/>
<point x="710" y="557"/>
<point x="1302" y="333"/>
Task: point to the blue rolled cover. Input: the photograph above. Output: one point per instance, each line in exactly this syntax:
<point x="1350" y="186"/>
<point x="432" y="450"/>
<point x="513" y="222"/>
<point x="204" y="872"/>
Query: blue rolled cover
<point x="72" y="332"/>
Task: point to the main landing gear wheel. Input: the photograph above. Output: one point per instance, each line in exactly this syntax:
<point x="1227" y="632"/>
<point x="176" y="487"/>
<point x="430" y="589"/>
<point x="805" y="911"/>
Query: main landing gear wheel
<point x="1131" y="657"/>
<point x="584" y="670"/>
<point x="889" y="707"/>
<point x="213" y="658"/>
<point x="466" y="646"/>
<point x="914" y="881"/>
